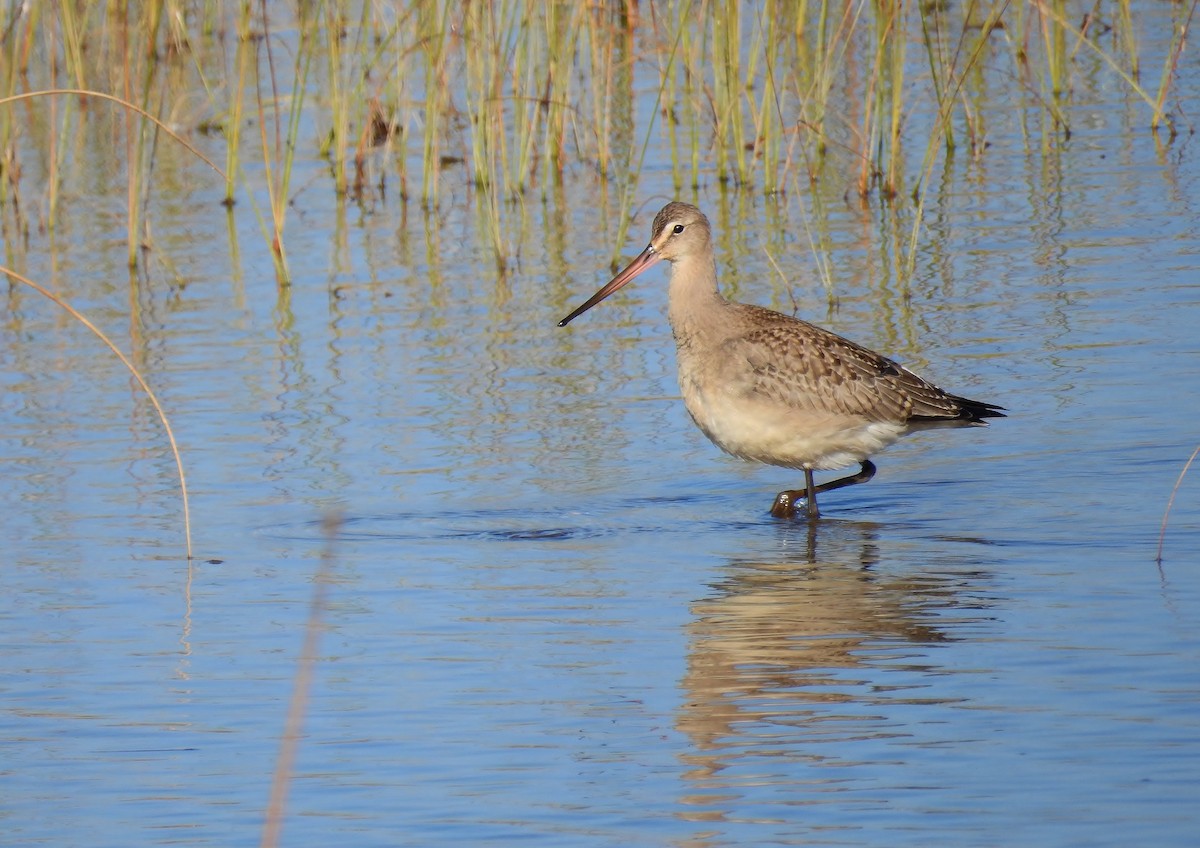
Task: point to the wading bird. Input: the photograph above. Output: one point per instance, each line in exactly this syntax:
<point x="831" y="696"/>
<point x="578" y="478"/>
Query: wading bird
<point x="771" y="388"/>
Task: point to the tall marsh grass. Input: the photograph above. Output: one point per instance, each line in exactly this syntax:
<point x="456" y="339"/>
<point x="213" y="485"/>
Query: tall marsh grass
<point x="520" y="93"/>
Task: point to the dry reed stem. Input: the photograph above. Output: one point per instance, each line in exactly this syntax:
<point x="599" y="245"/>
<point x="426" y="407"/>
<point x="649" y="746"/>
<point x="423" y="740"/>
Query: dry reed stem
<point x="162" y="415"/>
<point x="278" y="181"/>
<point x="1162" y="531"/>
<point x="1178" y="41"/>
<point x="1112" y="63"/>
<point x="13" y="98"/>
<point x="529" y="74"/>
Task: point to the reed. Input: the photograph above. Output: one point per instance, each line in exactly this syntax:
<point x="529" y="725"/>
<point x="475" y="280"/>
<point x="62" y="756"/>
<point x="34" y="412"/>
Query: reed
<point x="1125" y="37"/>
<point x="244" y="58"/>
<point x="359" y="119"/>
<point x="141" y="77"/>
<point x="435" y="46"/>
<point x="138" y="377"/>
<point x="1054" y="36"/>
<point x="278" y="143"/>
<point x="563" y="33"/>
<point x="673" y="119"/>
<point x="518" y="90"/>
<point x="527" y="103"/>
<point x="336" y="143"/>
<point x="954" y="77"/>
<point x="15" y="228"/>
<point x="727" y="91"/>
<point x="601" y="58"/>
<point x="883" y="117"/>
<point x="137" y="112"/>
<point x="769" y="118"/>
<point x="895" y="76"/>
<point x="390" y="122"/>
<point x="1162" y="530"/>
<point x="84" y="94"/>
<point x="637" y="158"/>
<point x="488" y="31"/>
<point x="933" y="38"/>
<point x="1182" y="21"/>
<point x="819" y="57"/>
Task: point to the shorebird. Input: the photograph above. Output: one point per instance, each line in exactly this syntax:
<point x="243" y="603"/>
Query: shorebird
<point x="771" y="388"/>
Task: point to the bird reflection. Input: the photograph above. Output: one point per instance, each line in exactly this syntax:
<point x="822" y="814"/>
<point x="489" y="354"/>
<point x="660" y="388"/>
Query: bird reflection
<point x="789" y="653"/>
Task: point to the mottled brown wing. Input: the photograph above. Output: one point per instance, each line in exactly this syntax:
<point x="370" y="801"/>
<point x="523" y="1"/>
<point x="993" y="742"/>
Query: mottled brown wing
<point x="806" y="367"/>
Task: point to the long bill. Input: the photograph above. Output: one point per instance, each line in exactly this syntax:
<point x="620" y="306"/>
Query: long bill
<point x="645" y="260"/>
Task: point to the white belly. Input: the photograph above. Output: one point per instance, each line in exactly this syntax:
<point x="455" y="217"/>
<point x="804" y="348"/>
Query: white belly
<point x="792" y="437"/>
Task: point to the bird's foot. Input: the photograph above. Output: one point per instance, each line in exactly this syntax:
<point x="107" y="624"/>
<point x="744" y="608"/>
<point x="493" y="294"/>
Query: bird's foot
<point x="785" y="503"/>
<point x="784" y="506"/>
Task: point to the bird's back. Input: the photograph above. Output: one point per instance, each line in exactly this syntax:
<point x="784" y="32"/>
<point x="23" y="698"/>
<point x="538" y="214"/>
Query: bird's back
<point x="776" y="389"/>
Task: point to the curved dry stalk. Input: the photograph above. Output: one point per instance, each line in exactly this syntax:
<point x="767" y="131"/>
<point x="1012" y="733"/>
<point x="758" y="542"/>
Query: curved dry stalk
<point x="162" y="415"/>
<point x="131" y="106"/>
<point x="1162" y="531"/>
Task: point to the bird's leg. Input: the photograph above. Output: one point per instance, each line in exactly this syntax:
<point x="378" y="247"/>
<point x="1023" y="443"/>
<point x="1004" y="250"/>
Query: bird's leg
<point x="810" y="495"/>
<point x="864" y="474"/>
<point x="785" y="502"/>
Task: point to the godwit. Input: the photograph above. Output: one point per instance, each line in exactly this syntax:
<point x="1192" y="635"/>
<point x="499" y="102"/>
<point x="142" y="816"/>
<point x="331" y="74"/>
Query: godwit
<point x="771" y="388"/>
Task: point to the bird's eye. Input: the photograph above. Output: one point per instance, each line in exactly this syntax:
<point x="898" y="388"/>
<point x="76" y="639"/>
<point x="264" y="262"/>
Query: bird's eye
<point x="678" y="229"/>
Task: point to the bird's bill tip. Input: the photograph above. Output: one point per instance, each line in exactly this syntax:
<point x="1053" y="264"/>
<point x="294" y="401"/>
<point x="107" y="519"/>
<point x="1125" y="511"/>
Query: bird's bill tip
<point x="646" y="259"/>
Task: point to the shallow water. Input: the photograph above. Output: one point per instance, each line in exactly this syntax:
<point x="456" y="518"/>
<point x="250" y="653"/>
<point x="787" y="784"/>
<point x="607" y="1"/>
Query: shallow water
<point x="555" y="612"/>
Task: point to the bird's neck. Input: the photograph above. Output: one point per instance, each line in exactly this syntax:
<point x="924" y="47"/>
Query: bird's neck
<point x="693" y="296"/>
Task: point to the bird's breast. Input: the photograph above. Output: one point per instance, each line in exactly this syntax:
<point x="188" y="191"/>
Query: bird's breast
<point x="774" y="431"/>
